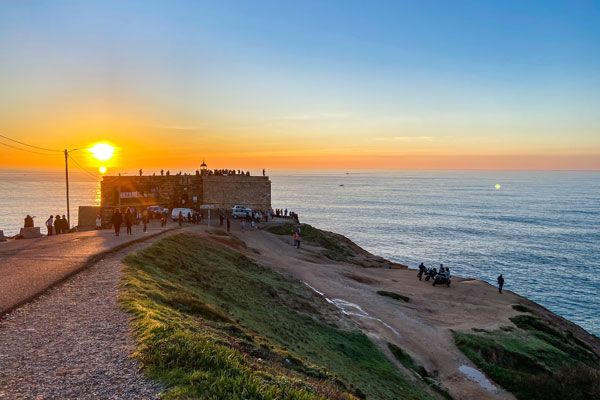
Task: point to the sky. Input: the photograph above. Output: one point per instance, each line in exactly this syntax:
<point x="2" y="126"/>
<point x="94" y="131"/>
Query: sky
<point x="302" y="84"/>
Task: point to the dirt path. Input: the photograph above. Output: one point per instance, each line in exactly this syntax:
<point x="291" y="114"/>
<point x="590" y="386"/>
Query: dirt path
<point x="73" y="342"/>
<point x="422" y="326"/>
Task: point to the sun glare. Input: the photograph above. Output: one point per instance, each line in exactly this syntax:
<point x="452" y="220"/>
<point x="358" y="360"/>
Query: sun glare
<point x="102" y="170"/>
<point x="102" y="151"/>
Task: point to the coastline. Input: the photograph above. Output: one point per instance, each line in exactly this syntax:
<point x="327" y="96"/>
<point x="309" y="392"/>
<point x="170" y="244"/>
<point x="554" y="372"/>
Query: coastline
<point x="431" y="327"/>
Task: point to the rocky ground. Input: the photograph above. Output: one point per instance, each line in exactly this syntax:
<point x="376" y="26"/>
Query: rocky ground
<point x="73" y="342"/>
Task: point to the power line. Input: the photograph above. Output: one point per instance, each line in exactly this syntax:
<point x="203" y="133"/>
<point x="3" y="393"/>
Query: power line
<point x="83" y="168"/>
<point x="30" y="145"/>
<point x="29" y="151"/>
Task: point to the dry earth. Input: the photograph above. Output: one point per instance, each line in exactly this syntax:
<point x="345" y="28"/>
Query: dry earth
<point x="422" y="326"/>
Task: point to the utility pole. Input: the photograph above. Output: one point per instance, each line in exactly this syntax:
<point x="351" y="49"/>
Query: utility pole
<point x="67" y="181"/>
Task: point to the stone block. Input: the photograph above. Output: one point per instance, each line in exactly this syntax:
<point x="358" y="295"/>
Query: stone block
<point x="31" y="233"/>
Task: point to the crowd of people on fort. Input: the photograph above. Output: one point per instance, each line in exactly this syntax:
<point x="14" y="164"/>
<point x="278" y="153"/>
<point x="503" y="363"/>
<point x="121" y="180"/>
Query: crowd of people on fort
<point x="283" y="213"/>
<point x="215" y="171"/>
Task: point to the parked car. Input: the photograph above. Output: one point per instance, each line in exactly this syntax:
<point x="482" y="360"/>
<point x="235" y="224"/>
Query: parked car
<point x="156" y="210"/>
<point x="239" y="211"/>
<point x="184" y="211"/>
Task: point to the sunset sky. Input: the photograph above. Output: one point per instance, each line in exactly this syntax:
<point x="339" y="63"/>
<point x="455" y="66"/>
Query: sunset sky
<point x="303" y="84"/>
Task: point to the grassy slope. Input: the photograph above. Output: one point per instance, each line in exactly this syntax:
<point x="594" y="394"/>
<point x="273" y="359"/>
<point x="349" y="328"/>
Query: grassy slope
<point x="335" y="249"/>
<point x="535" y="361"/>
<point x="212" y="324"/>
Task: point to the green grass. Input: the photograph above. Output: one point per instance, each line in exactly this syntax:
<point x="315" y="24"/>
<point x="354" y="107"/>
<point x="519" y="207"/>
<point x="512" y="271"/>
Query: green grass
<point x="335" y="246"/>
<point x="535" y="361"/>
<point x="212" y="324"/>
<point x="407" y="361"/>
<point x="393" y="295"/>
<point x="521" y="308"/>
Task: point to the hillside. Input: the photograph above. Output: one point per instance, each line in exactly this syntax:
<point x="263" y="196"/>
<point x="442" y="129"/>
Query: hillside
<point x="249" y="316"/>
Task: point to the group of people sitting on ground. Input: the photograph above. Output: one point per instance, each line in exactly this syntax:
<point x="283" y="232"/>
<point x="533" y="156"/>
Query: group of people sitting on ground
<point x="431" y="273"/>
<point x="443" y="275"/>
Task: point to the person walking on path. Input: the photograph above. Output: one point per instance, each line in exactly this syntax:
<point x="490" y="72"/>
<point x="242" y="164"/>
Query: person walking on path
<point x="180" y="218"/>
<point x="117" y="220"/>
<point x="129" y="221"/>
<point x="296" y="238"/>
<point x="500" y="283"/>
<point x="50" y="224"/>
<point x="145" y="219"/>
<point x="228" y="224"/>
<point x="98" y="222"/>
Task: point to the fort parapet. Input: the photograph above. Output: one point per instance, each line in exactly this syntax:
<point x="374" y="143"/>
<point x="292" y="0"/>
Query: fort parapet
<point x="191" y="191"/>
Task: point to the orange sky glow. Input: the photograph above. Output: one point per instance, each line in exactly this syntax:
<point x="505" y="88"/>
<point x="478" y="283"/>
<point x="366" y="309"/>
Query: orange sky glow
<point x="292" y="87"/>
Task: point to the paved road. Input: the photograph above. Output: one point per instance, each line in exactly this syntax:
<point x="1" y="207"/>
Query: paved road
<point x="30" y="266"/>
<point x="74" y="341"/>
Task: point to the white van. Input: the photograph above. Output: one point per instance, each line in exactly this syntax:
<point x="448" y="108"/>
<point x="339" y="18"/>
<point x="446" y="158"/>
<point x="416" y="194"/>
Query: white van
<point x="184" y="211"/>
<point x="240" y="211"/>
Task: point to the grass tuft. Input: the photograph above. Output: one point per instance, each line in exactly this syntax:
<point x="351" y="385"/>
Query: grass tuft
<point x="393" y="295"/>
<point x="521" y="308"/>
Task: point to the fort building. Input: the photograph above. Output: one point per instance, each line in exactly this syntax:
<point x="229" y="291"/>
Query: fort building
<point x="200" y="190"/>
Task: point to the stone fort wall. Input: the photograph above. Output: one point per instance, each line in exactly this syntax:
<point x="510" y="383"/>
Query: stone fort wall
<point x="192" y="191"/>
<point x="227" y="191"/>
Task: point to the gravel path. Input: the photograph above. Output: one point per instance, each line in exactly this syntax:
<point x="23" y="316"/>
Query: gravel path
<point x="73" y="342"/>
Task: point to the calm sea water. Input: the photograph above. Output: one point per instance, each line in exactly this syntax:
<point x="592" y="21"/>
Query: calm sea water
<point x="540" y="229"/>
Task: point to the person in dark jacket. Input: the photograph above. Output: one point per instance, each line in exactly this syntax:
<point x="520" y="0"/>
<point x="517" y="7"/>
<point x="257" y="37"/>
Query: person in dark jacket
<point x="117" y="220"/>
<point x="28" y="222"/>
<point x="57" y="225"/>
<point x="128" y="221"/>
<point x="500" y="283"/>
<point x="64" y="224"/>
<point x="422" y="270"/>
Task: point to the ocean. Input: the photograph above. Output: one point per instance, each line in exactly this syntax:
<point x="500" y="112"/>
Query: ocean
<point x="540" y="229"/>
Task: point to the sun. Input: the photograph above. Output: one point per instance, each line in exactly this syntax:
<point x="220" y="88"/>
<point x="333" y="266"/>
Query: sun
<point x="102" y="170"/>
<point x="102" y="151"/>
